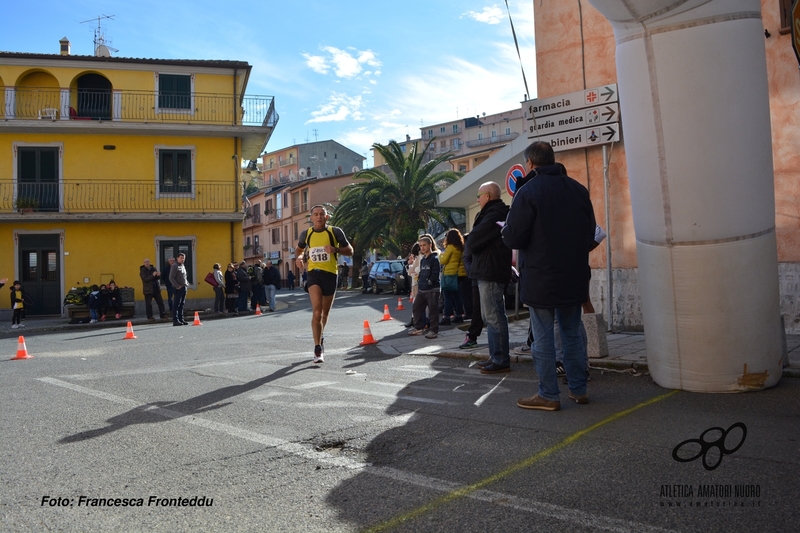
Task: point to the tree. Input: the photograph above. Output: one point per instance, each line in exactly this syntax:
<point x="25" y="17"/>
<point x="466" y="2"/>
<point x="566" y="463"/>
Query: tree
<point x="386" y="210"/>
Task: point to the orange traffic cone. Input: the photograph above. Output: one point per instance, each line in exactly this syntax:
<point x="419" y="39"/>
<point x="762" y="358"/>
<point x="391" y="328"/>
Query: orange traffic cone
<point x="197" y="319"/>
<point x="22" y="350"/>
<point x="368" y="338"/>
<point x="400" y="305"/>
<point x="385" y="313"/>
<point x="129" y="334"/>
<point x="258" y="310"/>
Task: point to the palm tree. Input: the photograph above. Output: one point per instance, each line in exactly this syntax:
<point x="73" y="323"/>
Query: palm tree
<point x="386" y="210"/>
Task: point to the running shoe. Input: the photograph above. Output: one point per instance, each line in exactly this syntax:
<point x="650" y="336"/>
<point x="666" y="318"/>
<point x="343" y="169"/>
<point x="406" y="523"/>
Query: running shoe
<point x="318" y="355"/>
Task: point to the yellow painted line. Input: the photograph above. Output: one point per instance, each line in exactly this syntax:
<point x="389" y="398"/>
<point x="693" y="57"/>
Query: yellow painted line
<point x="465" y="491"/>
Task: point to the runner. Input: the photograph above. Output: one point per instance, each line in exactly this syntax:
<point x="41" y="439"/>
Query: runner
<point x="322" y="244"/>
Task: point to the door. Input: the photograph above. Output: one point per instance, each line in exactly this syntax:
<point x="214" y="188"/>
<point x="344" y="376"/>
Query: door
<point x="94" y="97"/>
<point x="40" y="273"/>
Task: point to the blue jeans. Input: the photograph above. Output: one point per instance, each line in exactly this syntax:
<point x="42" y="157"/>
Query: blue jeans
<point x="544" y="352"/>
<point x="270" y="295"/>
<point x="560" y="348"/>
<point x="452" y="304"/>
<point x="241" y="303"/>
<point x="493" y="313"/>
<point x="177" y="305"/>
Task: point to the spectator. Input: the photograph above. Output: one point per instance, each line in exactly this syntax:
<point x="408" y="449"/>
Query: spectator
<point x="244" y="286"/>
<point x="151" y="288"/>
<point x="231" y="290"/>
<point x="180" y="282"/>
<point x="17" y="304"/>
<point x="219" y="290"/>
<point x="93" y="303"/>
<point x="491" y="267"/>
<point x="452" y="267"/>
<point x="364" y="277"/>
<point x="272" y="282"/>
<point x="114" y="299"/>
<point x="427" y="290"/>
<point x="476" y="324"/>
<point x="552" y="225"/>
<point x="290" y="279"/>
<point x="103" y="299"/>
<point x="257" y="281"/>
<point x="165" y="280"/>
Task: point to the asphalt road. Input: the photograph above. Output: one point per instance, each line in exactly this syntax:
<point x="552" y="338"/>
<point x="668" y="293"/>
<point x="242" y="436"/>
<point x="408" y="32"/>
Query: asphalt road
<point x="234" y="416"/>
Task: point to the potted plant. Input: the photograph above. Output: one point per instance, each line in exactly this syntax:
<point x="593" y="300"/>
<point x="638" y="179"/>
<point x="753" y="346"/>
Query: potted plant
<point x="247" y="247"/>
<point x="26" y="204"/>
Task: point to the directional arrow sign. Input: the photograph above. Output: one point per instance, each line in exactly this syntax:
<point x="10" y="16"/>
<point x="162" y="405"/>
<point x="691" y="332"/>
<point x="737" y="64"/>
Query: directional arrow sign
<point x="570" y="140"/>
<point x="573" y="120"/>
<point x="542" y="107"/>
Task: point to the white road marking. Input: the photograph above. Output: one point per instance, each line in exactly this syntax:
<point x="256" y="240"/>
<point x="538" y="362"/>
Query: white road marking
<point x="483" y="398"/>
<point x="566" y="514"/>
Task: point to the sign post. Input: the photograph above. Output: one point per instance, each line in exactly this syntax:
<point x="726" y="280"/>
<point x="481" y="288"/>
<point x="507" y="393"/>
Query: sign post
<point x="795" y="21"/>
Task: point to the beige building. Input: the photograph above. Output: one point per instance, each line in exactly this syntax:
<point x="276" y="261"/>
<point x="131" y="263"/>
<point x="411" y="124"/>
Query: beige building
<point x="277" y="215"/>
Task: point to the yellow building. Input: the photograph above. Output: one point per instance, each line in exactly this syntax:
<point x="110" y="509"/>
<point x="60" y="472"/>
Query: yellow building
<point x="105" y="161"/>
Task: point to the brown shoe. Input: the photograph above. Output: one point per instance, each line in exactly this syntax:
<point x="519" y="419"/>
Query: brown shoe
<point x="581" y="399"/>
<point x="534" y="402"/>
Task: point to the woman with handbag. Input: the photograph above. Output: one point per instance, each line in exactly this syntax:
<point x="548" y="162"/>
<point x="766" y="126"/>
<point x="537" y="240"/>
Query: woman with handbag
<point x="452" y="265"/>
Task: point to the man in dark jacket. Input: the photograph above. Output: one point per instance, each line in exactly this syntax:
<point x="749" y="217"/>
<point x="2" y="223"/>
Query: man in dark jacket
<point x="491" y="266"/>
<point x="257" y="286"/>
<point x="245" y="286"/>
<point x="551" y="223"/>
<point x="151" y="288"/>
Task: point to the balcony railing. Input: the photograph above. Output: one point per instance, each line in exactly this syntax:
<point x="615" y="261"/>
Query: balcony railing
<point x="492" y="140"/>
<point x="253" y="251"/>
<point x="90" y="196"/>
<point x="32" y="103"/>
<point x="287" y="162"/>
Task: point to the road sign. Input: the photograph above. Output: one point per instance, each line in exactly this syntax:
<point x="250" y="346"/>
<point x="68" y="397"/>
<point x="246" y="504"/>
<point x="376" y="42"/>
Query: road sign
<point x="570" y="102"/>
<point x="795" y="20"/>
<point x="574" y="119"/>
<point x="514" y="174"/>
<point x="570" y="140"/>
<point x="562" y="120"/>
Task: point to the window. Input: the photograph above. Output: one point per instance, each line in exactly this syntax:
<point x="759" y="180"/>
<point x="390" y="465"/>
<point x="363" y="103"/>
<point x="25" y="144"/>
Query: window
<point x="171" y="248"/>
<point x="276" y="235"/>
<point x="304" y="205"/>
<point x="175" y="91"/>
<point x="296" y="235"/>
<point x="278" y="205"/>
<point x="442" y="129"/>
<point x="175" y="170"/>
<point x="403" y="148"/>
<point x="295" y="203"/>
<point x="430" y="134"/>
<point x="37" y="178"/>
<point x="268" y="207"/>
<point x="480" y="136"/>
<point x="442" y="145"/>
<point x="508" y="131"/>
<point x="494" y="133"/>
<point x="455" y="128"/>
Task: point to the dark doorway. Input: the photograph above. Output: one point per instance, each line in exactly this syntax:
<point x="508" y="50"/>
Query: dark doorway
<point x="40" y="273"/>
<point x="94" y="97"/>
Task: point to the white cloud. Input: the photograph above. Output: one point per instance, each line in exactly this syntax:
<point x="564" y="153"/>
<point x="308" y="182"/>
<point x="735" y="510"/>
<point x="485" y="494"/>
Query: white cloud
<point x="489" y="15"/>
<point x="339" y="107"/>
<point x="345" y="64"/>
<point x="316" y="63"/>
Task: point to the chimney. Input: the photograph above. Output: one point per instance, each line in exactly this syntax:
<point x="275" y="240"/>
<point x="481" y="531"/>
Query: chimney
<point x="65" y="46"/>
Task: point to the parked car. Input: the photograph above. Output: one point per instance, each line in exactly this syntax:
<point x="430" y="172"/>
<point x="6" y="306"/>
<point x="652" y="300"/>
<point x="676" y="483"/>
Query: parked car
<point x="389" y="275"/>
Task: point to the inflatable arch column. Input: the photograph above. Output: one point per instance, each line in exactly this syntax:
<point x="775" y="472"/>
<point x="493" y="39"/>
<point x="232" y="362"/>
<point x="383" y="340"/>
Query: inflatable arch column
<point x="692" y="82"/>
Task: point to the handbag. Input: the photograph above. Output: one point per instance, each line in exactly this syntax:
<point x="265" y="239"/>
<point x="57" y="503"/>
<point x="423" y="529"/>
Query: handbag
<point x="210" y="280"/>
<point x="450" y="282"/>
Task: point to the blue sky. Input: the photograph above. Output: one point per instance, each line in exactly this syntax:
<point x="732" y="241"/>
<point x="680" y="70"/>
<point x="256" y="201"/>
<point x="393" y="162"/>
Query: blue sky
<point x="354" y="71"/>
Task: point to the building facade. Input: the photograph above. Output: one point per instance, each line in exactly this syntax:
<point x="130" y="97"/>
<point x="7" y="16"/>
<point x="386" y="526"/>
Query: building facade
<point x="108" y="160"/>
<point x="310" y="160"/>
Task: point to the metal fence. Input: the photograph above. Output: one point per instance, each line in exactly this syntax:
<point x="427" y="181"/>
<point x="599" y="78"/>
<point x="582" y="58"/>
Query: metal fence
<point x="90" y="196"/>
<point x="138" y="106"/>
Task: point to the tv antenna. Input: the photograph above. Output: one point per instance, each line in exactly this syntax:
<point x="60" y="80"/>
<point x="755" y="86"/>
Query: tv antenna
<point x="101" y="49"/>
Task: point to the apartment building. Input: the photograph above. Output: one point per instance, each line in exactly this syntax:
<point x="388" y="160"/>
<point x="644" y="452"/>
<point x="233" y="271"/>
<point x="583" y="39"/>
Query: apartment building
<point x="110" y="160"/>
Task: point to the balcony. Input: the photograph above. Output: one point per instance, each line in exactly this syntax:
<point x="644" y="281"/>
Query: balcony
<point x="106" y="200"/>
<point x="51" y="110"/>
<point x="492" y="140"/>
<point x="253" y="219"/>
<point x="253" y="251"/>
<point x="287" y="162"/>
